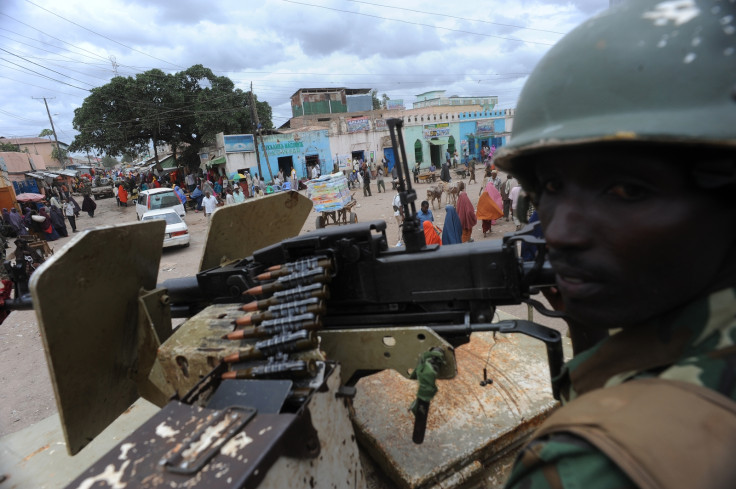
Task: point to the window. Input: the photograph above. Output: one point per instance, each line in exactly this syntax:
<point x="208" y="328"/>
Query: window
<point x="418" y="151"/>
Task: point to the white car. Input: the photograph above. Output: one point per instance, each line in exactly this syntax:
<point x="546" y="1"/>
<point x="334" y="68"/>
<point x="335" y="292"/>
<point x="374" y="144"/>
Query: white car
<point x="158" y="198"/>
<point x="177" y="232"/>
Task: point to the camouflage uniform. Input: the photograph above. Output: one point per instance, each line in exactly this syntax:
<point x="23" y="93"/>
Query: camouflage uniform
<point x="695" y="345"/>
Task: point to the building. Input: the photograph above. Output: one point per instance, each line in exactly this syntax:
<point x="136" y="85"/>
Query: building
<point x="315" y="101"/>
<point x="437" y="98"/>
<point x="41" y="147"/>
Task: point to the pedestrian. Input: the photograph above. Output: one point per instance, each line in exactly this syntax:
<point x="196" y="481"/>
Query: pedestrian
<point x="490" y="207"/>
<point x="191" y="182"/>
<point x="466" y="212"/>
<point x="379" y="180"/>
<point x="89" y="205"/>
<point x="209" y="202"/>
<point x="122" y="196"/>
<point x="398" y="215"/>
<point x="445" y="172"/>
<point x="432" y="235"/>
<point x="452" y="232"/>
<point x="366" y="174"/>
<point x="238" y="196"/>
<point x="497" y="182"/>
<point x="17" y="222"/>
<point x="506" y="196"/>
<point x="50" y="234"/>
<point x="425" y="213"/>
<point x="622" y="190"/>
<point x="57" y="220"/>
<point x="229" y="198"/>
<point x="69" y="213"/>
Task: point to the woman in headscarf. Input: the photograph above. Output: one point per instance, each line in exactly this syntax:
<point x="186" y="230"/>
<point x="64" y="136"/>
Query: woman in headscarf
<point x="431" y="235"/>
<point x="490" y="206"/>
<point x="6" y="217"/>
<point x="55" y="201"/>
<point x="17" y="222"/>
<point x="453" y="231"/>
<point x="445" y="173"/>
<point x="122" y="197"/>
<point x="47" y="227"/>
<point x="197" y="197"/>
<point x="77" y="208"/>
<point x="58" y="221"/>
<point x="465" y="212"/>
<point x="89" y="205"/>
<point x="27" y="221"/>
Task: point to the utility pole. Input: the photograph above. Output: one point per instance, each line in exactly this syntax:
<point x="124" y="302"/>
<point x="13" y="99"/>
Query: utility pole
<point x="254" y="116"/>
<point x="252" y="119"/>
<point x="58" y="150"/>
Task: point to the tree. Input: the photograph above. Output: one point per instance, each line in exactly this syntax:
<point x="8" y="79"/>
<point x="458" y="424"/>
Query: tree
<point x="184" y="109"/>
<point x="127" y="158"/>
<point x="45" y="133"/>
<point x="376" y="101"/>
<point x="108" y="161"/>
<point x="9" y="147"/>
<point x="60" y="154"/>
<point x="384" y="99"/>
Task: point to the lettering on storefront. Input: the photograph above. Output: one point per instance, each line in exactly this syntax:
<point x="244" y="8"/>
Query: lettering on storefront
<point x="285" y="148"/>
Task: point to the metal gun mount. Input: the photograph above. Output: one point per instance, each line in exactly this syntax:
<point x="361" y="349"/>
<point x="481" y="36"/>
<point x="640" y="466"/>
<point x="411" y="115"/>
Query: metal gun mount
<point x="381" y="309"/>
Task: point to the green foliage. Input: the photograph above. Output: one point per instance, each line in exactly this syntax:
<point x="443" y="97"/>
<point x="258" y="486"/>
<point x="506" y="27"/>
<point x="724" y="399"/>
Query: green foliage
<point x="12" y="148"/>
<point x="376" y="101"/>
<point x="384" y="98"/>
<point x="108" y="161"/>
<point x="60" y="154"/>
<point x="46" y="132"/>
<point x="184" y="109"/>
<point x="127" y="158"/>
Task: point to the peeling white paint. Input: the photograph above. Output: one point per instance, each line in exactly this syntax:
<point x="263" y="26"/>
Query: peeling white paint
<point x="264" y="430"/>
<point x="210" y="435"/>
<point x="124" y="448"/>
<point x="662" y="42"/>
<point x="165" y="431"/>
<point x="696" y="41"/>
<point x="235" y="444"/>
<point x="727" y="19"/>
<point x="729" y="29"/>
<point x="728" y="51"/>
<point x="110" y="476"/>
<point x="689" y="58"/>
<point x="676" y="11"/>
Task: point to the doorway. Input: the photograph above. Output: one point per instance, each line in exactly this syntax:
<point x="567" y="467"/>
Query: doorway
<point x="388" y="153"/>
<point x="312" y="161"/>
<point x="286" y="163"/>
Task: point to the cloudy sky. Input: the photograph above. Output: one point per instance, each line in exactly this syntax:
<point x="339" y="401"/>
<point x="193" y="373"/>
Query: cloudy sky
<point x="59" y="50"/>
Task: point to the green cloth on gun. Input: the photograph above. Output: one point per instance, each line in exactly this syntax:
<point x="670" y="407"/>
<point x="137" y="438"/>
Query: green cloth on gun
<point x="426" y="374"/>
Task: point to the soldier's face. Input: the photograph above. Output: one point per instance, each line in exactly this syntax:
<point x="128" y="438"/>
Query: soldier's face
<point x="630" y="237"/>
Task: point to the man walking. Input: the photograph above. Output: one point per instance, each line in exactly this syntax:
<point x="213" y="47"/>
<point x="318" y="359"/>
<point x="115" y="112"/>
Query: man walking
<point x="209" y="202"/>
<point x="69" y="213"/>
<point x="366" y="174"/>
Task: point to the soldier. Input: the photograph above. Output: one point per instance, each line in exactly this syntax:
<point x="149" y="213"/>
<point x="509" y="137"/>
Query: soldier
<point x="625" y="138"/>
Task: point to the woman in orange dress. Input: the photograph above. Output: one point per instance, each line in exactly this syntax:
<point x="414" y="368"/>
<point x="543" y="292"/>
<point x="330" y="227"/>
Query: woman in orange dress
<point x="431" y="235"/>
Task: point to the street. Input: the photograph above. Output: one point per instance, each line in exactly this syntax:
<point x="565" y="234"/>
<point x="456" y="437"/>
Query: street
<point x="26" y="393"/>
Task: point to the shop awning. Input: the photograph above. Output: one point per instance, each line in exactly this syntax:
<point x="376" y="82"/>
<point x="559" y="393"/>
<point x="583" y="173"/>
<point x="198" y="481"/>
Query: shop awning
<point x="438" y="142"/>
<point x="34" y="175"/>
<point x="68" y="173"/>
<point x="220" y="160"/>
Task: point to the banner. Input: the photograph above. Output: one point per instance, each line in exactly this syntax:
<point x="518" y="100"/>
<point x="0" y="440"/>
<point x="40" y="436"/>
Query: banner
<point x="436" y="130"/>
<point x="358" y="124"/>
<point x="239" y="143"/>
<point x="485" y="128"/>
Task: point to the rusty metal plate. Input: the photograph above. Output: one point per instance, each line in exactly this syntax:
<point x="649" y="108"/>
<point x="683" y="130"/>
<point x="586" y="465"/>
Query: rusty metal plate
<point x="140" y="460"/>
<point x="384" y="348"/>
<point x="236" y="231"/>
<point x="470" y="428"/>
<point x="86" y="301"/>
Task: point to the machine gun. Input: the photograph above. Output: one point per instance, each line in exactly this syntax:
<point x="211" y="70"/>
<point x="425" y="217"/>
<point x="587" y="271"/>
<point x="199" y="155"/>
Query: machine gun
<point x="297" y="322"/>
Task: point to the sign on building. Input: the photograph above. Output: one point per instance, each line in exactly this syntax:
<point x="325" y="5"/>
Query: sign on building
<point x="395" y="104"/>
<point x="436" y="130"/>
<point x="239" y="143"/>
<point x="358" y="124"/>
<point x="485" y="128"/>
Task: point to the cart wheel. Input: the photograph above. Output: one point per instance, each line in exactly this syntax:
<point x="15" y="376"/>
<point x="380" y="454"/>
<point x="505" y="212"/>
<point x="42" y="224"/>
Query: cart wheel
<point x="320" y="222"/>
<point x="353" y="218"/>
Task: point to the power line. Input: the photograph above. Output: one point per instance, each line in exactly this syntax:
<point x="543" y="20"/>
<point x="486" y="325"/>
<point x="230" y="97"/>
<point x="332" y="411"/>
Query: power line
<point x="45" y="76"/>
<point x="416" y="23"/>
<point x="45" y="68"/>
<point x="103" y="36"/>
<point x="456" y="17"/>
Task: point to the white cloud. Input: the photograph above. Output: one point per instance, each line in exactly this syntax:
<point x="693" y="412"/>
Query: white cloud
<point x="279" y="45"/>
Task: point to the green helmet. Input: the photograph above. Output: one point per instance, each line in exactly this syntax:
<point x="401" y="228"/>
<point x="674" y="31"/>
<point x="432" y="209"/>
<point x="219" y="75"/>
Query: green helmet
<point x="646" y="71"/>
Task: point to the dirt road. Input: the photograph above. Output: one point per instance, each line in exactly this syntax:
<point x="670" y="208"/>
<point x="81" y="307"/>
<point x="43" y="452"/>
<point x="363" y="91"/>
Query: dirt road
<point x="26" y="393"/>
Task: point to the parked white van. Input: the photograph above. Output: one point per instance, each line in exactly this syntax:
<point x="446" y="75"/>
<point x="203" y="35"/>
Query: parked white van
<point x="158" y="198"/>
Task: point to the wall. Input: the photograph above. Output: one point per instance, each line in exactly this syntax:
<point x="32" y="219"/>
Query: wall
<point x="298" y="145"/>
